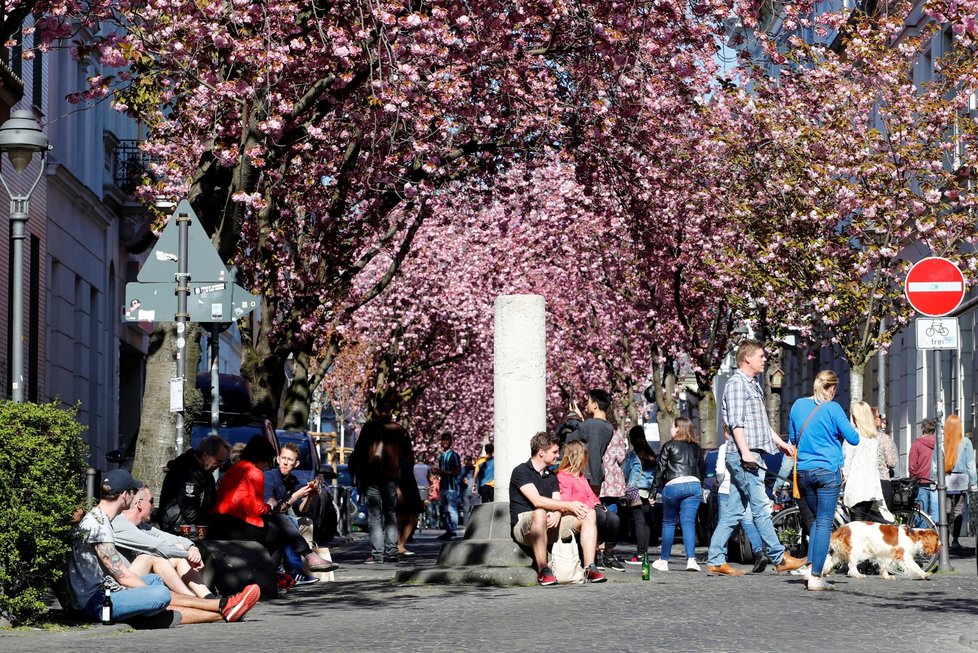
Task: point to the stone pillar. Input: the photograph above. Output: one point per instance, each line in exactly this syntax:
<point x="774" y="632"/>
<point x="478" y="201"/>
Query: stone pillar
<point x="519" y="382"/>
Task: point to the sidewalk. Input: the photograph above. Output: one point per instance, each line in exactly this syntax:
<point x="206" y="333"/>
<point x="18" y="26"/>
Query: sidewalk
<point x="364" y="611"/>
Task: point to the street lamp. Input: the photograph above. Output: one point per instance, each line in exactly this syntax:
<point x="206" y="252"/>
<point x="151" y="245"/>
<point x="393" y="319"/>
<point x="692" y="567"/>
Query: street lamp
<point x="20" y="138"/>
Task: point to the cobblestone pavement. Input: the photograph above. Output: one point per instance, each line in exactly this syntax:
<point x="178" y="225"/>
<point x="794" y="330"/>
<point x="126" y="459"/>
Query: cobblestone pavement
<point x="679" y="611"/>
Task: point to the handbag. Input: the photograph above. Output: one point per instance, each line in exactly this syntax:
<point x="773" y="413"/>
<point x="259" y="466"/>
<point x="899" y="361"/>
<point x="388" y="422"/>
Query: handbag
<point x="795" y="490"/>
<point x="632" y="497"/>
<point x="565" y="561"/>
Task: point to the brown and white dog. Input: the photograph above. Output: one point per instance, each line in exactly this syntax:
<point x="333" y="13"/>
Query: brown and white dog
<point x="884" y="544"/>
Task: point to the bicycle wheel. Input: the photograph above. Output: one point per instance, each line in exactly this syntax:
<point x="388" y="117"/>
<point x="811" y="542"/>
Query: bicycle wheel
<point x="788" y="527"/>
<point x="914" y="518"/>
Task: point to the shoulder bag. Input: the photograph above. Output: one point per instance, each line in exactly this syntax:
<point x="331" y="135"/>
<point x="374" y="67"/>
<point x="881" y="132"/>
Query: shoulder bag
<point x="565" y="561"/>
<point x="795" y="490"/>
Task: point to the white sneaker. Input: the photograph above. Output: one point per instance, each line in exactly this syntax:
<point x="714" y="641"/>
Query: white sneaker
<point x="818" y="584"/>
<point x="802" y="571"/>
<point x="691" y="564"/>
<point x="661" y="565"/>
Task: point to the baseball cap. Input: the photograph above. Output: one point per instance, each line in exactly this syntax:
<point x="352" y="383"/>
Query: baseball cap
<point x="118" y="481"/>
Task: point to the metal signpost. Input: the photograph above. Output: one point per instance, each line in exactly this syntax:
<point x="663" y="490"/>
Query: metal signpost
<point x="935" y="287"/>
<point x="184" y="277"/>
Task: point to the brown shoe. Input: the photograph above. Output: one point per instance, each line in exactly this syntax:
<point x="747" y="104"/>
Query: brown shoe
<point x="788" y="563"/>
<point x="725" y="570"/>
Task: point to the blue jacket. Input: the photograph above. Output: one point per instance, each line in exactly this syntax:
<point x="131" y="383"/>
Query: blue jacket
<point x="821" y="443"/>
<point x="643" y="479"/>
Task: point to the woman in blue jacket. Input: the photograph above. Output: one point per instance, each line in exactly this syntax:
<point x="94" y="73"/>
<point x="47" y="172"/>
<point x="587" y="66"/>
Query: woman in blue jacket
<point x="639" y="467"/>
<point x="817" y="428"/>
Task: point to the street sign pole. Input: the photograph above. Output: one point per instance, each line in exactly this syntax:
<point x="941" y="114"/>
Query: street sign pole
<point x="935" y="287"/>
<point x="944" y="561"/>
<point x="182" y="317"/>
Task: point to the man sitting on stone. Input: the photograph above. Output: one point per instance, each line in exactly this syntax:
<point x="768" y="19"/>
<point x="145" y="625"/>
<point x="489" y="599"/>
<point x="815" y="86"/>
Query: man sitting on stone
<point x="189" y="491"/>
<point x="539" y="517"/>
<point x="134" y="536"/>
<point x="282" y="487"/>
<point x="96" y="567"/>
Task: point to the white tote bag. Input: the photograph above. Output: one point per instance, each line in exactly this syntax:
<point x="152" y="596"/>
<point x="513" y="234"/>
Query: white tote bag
<point x="565" y="562"/>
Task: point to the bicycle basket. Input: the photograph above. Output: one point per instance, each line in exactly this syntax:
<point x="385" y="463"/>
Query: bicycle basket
<point x="904" y="492"/>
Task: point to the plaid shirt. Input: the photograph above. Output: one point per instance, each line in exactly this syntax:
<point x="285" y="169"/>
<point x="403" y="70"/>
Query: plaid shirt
<point x="743" y="407"/>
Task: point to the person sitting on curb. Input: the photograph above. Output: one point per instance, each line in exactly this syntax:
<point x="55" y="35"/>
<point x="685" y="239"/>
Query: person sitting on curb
<point x="135" y="536"/>
<point x="241" y="512"/>
<point x="538" y="515"/>
<point x="282" y="486"/>
<point x="96" y="568"/>
<point x="189" y="490"/>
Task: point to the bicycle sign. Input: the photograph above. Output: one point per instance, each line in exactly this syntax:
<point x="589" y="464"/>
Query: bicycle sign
<point x="937" y="333"/>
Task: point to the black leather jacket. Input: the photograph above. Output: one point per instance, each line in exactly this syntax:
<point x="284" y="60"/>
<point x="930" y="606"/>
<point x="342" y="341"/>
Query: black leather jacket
<point x="678" y="459"/>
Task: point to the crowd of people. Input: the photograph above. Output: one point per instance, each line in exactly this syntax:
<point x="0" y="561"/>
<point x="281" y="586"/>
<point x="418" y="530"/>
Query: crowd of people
<point x="825" y="448"/>
<point x="153" y="570"/>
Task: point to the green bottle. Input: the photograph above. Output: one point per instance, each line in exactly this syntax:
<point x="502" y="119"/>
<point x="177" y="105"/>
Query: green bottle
<point x="646" y="570"/>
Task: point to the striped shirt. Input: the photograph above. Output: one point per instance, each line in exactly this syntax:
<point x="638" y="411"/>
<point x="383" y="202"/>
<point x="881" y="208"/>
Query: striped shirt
<point x="743" y="407"/>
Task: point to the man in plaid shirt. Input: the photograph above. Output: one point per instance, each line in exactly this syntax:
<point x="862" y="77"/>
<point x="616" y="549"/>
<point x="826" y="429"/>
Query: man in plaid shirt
<point x="746" y="422"/>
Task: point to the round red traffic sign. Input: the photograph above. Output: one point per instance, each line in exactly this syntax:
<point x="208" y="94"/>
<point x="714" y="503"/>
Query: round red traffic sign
<point x="934" y="286"/>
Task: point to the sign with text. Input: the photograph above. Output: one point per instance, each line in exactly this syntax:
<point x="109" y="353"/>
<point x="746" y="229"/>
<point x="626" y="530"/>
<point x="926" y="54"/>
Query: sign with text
<point x="937" y="333"/>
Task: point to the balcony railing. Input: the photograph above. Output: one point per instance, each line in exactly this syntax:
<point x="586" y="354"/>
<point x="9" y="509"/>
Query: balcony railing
<point x="129" y="166"/>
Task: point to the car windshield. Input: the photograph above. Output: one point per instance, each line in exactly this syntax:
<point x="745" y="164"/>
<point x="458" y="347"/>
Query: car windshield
<point x="233" y="434"/>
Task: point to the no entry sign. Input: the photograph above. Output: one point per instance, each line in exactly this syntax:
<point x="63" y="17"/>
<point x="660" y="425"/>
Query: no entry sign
<point x="934" y="286"/>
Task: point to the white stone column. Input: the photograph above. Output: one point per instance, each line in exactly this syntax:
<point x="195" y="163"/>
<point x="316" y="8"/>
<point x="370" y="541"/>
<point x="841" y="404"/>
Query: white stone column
<point x="519" y="382"/>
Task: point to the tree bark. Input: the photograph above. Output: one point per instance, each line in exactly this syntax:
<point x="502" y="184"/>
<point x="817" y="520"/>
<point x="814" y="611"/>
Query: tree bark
<point x="298" y="396"/>
<point x="664" y="380"/>
<point x="856" y="372"/>
<point x="708" y="419"/>
<point x="156" y="440"/>
<point x="772" y="396"/>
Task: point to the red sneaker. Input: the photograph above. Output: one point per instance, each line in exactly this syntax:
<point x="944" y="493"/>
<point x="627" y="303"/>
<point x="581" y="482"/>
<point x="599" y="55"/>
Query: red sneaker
<point x="592" y="575"/>
<point x="240" y="603"/>
<point x="546" y="577"/>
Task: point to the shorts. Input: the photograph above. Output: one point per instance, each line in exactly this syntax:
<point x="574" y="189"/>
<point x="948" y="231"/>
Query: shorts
<point x="521" y="529"/>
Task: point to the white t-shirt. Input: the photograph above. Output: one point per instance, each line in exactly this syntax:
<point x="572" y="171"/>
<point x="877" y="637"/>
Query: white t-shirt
<point x="86" y="576"/>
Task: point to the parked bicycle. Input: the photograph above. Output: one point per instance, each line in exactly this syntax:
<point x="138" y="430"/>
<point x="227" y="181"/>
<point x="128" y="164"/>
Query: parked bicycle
<point x="788" y="524"/>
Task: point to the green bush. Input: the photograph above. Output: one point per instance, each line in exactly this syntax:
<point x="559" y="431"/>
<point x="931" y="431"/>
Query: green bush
<point x="41" y="477"/>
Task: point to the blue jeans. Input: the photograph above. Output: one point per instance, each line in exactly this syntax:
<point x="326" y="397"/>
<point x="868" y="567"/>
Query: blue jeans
<point x="131" y="602"/>
<point x="927" y="498"/>
<point x="449" y="510"/>
<point x="382" y="518"/>
<point x="746" y="522"/>
<point x="820" y="490"/>
<point x="680" y="500"/>
<point x="746" y="489"/>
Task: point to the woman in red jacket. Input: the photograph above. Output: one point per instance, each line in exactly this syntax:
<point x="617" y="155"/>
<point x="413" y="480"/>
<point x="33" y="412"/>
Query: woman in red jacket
<point x="241" y="514"/>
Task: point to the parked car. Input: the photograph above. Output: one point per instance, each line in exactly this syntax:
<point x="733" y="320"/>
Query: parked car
<point x="234" y="432"/>
<point x="352" y="508"/>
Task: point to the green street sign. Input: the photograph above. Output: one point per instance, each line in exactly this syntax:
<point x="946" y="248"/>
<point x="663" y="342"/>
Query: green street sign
<point x="215" y="301"/>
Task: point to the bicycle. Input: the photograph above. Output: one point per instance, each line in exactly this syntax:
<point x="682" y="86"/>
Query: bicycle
<point x="936" y="328"/>
<point x="788" y="524"/>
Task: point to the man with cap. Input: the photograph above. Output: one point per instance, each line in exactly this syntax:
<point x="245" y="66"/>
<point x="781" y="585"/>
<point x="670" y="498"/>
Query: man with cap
<point x="96" y="567"/>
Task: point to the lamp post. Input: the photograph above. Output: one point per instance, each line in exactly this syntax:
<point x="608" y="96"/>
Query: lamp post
<point x="20" y="138"/>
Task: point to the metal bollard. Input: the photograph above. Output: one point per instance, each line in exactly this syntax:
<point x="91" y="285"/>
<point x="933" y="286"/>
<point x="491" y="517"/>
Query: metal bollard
<point x="91" y="483"/>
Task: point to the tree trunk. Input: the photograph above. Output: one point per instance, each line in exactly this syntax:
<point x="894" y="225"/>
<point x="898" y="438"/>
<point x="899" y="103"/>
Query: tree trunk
<point x="263" y="365"/>
<point x="708" y="419"/>
<point x="772" y="396"/>
<point x="298" y="396"/>
<point x="664" y="380"/>
<point x="856" y="373"/>
<point x="156" y="440"/>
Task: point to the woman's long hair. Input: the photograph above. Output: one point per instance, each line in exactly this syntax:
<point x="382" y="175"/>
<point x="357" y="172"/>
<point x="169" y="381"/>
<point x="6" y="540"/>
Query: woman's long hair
<point x="952" y="441"/>
<point x="575" y="458"/>
<point x="636" y="436"/>
<point x="685" y="431"/>
<point x="862" y="419"/>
